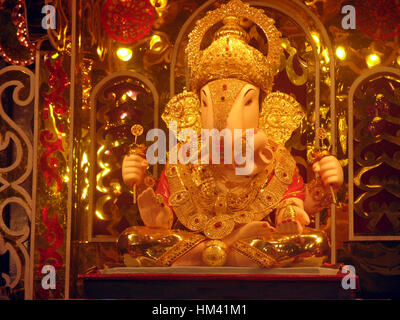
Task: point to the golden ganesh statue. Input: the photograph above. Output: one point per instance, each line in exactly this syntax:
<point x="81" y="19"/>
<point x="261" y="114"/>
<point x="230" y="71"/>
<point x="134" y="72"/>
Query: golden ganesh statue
<point x="206" y="214"/>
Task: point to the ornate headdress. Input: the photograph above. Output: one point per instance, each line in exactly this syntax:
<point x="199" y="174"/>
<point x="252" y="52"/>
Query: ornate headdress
<point x="230" y="56"/>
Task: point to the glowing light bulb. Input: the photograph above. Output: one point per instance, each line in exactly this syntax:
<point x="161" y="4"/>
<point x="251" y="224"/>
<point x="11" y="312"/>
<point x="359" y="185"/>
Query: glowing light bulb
<point x="326" y="55"/>
<point x="124" y="54"/>
<point x="156" y="43"/>
<point x="284" y="44"/>
<point x="315" y="36"/>
<point x="132" y="94"/>
<point x="84" y="193"/>
<point x="398" y="60"/>
<point x="84" y="159"/>
<point x="124" y="115"/>
<point x="373" y="60"/>
<point x="99" y="215"/>
<point x="99" y="52"/>
<point x="341" y="53"/>
<point x="159" y="4"/>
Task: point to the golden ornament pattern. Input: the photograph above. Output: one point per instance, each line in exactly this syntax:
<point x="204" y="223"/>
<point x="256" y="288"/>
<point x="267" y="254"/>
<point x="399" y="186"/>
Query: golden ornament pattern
<point x="281" y="114"/>
<point x="184" y="109"/>
<point x="229" y="55"/>
<point x="223" y="94"/>
<point x="201" y="206"/>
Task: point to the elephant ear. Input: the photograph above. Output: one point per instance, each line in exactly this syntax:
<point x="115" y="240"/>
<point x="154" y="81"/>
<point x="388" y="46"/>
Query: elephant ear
<point x="183" y="112"/>
<point x="281" y="114"/>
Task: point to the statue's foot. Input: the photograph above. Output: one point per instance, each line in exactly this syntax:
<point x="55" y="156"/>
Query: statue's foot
<point x="253" y="230"/>
<point x="285" y="249"/>
<point x="256" y="229"/>
<point x="191" y="258"/>
<point x="254" y="244"/>
<point x="149" y="247"/>
<point x="289" y="227"/>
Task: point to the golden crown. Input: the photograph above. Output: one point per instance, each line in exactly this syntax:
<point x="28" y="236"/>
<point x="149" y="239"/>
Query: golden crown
<point x="230" y="55"/>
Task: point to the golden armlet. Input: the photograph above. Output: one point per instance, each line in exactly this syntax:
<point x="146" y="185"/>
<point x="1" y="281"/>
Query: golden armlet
<point x="289" y="213"/>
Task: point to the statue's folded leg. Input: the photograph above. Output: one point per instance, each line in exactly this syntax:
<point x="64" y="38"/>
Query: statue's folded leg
<point x="306" y="249"/>
<point x="155" y="247"/>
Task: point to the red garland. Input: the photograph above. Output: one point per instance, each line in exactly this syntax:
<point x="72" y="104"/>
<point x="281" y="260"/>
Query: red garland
<point x="127" y="21"/>
<point x="58" y="82"/>
<point x="54" y="236"/>
<point x="49" y="165"/>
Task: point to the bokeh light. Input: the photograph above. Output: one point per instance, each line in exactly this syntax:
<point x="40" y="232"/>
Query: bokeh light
<point x="341" y="53"/>
<point x="124" y="54"/>
<point x="372" y="60"/>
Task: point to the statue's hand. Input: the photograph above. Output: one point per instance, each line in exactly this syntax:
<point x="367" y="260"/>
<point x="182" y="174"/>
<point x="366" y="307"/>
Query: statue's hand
<point x="153" y="211"/>
<point x="133" y="169"/>
<point x="330" y="171"/>
<point x="293" y="224"/>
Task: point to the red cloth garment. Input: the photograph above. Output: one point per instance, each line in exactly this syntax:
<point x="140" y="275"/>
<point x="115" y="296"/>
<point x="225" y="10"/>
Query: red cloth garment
<point x="296" y="188"/>
<point x="163" y="188"/>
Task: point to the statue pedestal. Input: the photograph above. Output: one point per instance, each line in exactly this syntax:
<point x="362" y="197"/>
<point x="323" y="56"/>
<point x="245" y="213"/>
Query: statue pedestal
<point x="215" y="283"/>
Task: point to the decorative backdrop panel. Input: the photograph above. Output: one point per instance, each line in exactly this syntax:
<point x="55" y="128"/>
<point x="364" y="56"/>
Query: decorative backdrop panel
<point x="375" y="154"/>
<point x="70" y="95"/>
